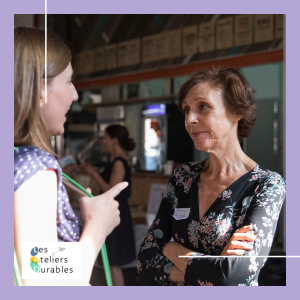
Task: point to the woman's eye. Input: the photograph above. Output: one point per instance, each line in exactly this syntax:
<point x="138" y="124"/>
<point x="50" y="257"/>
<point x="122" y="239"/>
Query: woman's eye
<point x="203" y="106"/>
<point x="185" y="111"/>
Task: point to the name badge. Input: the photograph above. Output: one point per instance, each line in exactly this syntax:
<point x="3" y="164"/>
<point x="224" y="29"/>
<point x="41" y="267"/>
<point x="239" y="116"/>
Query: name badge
<point x="181" y="213"/>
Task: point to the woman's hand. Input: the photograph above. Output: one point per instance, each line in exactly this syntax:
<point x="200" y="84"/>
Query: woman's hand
<point x="69" y="169"/>
<point x="102" y="211"/>
<point x="87" y="168"/>
<point x="239" y="242"/>
<point x="101" y="215"/>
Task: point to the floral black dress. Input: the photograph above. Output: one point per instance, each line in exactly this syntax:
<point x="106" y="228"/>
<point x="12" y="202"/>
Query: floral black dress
<point x="255" y="198"/>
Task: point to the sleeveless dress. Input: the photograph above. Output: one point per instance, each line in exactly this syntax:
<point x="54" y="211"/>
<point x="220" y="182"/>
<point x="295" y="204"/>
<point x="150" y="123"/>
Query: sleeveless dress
<point x="28" y="160"/>
<point x="120" y="243"/>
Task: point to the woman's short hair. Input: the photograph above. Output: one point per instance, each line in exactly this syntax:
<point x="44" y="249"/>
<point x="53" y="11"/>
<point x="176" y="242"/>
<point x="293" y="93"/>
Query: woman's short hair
<point x="121" y="133"/>
<point x="29" y="72"/>
<point x="238" y="95"/>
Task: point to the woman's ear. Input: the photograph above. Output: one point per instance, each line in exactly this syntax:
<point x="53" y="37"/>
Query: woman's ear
<point x="42" y="95"/>
<point x="238" y="117"/>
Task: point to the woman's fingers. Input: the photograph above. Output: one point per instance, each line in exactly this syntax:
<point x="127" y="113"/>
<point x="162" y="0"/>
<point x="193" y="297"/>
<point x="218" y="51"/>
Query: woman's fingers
<point x="245" y="229"/>
<point x="244" y="237"/>
<point x="240" y="241"/>
<point x="115" y="191"/>
<point x="239" y="245"/>
<point x="244" y="234"/>
<point x="235" y="252"/>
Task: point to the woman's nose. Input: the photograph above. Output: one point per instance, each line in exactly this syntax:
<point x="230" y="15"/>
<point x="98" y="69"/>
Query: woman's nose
<point x="75" y="94"/>
<point x="191" y="118"/>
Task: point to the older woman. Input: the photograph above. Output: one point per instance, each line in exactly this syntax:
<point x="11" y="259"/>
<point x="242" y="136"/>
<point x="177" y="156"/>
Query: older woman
<point x="212" y="208"/>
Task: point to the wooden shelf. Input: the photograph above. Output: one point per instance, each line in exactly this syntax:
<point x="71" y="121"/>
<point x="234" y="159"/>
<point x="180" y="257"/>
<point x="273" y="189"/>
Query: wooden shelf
<point x="179" y="70"/>
<point x="132" y="101"/>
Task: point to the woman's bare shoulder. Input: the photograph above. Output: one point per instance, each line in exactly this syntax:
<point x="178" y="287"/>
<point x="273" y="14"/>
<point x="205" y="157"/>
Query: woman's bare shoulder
<point x="41" y="181"/>
<point x="118" y="165"/>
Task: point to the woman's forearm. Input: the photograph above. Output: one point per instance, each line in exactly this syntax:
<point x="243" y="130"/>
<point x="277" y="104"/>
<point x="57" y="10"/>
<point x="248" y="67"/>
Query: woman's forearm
<point x="104" y="186"/>
<point x="173" y="250"/>
<point x="176" y="275"/>
<point x="92" y="240"/>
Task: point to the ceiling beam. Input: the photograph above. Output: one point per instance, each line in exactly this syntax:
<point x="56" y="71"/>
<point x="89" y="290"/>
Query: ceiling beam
<point x="179" y="70"/>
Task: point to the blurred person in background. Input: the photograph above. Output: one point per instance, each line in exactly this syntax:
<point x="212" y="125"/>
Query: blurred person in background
<point x="120" y="243"/>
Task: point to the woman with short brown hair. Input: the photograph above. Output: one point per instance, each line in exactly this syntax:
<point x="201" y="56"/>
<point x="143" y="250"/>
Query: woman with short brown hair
<point x="237" y="94"/>
<point x="219" y="209"/>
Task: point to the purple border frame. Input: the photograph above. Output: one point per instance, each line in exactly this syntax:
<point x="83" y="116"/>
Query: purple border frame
<point x="150" y="7"/>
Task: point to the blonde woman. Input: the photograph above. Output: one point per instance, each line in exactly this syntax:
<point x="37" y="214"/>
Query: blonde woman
<point x="42" y="212"/>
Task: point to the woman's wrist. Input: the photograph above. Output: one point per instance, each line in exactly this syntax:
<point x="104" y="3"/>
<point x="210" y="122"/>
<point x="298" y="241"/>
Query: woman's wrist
<point x="173" y="250"/>
<point x="176" y="275"/>
<point x="93" y="234"/>
<point x="92" y="242"/>
<point x="94" y="173"/>
<point x="166" y="249"/>
<point x="97" y="175"/>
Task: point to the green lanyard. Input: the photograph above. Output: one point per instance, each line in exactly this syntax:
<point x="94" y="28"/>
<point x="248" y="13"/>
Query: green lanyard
<point x="18" y="278"/>
<point x="103" y="249"/>
<point x="17" y="274"/>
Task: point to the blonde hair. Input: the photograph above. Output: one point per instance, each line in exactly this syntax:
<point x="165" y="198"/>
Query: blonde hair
<point x="29" y="72"/>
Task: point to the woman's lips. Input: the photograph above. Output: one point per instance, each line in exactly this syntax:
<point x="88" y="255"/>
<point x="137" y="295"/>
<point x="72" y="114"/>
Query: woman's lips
<point x="197" y="133"/>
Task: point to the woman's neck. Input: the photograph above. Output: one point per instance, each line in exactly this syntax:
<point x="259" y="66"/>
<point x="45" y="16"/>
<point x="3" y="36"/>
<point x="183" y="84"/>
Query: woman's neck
<point x="228" y="161"/>
<point x="117" y="151"/>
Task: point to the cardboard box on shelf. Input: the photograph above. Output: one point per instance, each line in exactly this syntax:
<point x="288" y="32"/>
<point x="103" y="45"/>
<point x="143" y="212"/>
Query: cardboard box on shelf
<point x="224" y="33"/>
<point x="243" y="34"/>
<point x="264" y="28"/>
<point x="206" y="37"/>
<point x="189" y="39"/>
<point x="148" y="53"/>
<point x="111" y="56"/>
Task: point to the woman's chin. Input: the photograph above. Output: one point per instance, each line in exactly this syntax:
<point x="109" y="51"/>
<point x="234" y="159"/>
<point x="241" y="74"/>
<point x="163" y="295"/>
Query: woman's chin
<point x="58" y="132"/>
<point x="201" y="146"/>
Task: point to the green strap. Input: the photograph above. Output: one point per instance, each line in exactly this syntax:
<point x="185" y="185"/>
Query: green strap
<point x="17" y="274"/>
<point x="103" y="251"/>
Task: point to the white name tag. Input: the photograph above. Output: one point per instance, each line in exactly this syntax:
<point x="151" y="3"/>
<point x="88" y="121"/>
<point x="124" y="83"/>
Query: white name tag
<point x="181" y="213"/>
